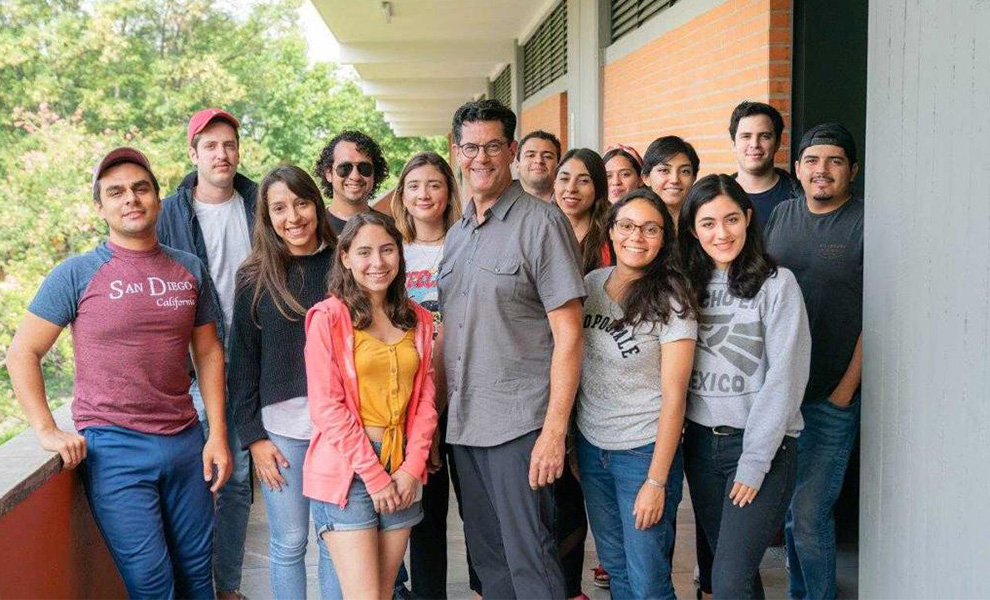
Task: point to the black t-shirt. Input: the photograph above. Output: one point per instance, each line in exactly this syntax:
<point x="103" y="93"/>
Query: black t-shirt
<point x="337" y="224"/>
<point x="765" y="202"/>
<point x="825" y="253"/>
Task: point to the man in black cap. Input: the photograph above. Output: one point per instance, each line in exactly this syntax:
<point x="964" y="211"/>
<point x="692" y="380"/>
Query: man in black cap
<point x="819" y="237"/>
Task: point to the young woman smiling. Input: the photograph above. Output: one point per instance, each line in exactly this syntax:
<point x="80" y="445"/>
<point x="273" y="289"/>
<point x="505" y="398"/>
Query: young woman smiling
<point x="640" y="328"/>
<point x="670" y="168"/>
<point x="580" y="189"/>
<point x="750" y="371"/>
<point x="425" y="206"/>
<point x="284" y="276"/>
<point x="369" y="367"/>
<point x="622" y="168"/>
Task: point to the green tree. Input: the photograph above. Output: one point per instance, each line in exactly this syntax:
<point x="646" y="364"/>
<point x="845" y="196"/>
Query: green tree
<point x="79" y="78"/>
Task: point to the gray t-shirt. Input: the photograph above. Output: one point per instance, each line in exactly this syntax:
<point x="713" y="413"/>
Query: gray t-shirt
<point x="825" y="253"/>
<point x="618" y="402"/>
<point x="497" y="282"/>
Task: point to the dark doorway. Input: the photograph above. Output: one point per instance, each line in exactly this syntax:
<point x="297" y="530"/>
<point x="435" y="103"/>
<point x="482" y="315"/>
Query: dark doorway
<point x="829" y="84"/>
<point x="829" y="70"/>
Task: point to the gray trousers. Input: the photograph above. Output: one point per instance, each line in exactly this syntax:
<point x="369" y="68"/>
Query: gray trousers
<point x="508" y="526"/>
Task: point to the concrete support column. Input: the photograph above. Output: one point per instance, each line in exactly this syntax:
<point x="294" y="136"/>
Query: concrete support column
<point x="584" y="73"/>
<point x="924" y="519"/>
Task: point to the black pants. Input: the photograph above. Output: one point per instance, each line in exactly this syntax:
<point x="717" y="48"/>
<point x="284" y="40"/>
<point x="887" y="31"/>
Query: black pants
<point x="738" y="536"/>
<point x="509" y="527"/>
<point x="571" y="524"/>
<point x="428" y="540"/>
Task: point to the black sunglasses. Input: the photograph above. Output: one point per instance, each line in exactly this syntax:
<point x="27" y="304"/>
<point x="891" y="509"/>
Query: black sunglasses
<point x="365" y="169"/>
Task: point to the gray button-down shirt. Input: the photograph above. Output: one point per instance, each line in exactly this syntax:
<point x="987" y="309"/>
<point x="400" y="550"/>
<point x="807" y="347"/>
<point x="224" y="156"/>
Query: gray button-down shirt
<point x="498" y="281"/>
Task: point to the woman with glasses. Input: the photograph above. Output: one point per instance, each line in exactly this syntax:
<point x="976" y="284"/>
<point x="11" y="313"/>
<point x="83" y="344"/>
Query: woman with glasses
<point x="639" y="335"/>
<point x="750" y="370"/>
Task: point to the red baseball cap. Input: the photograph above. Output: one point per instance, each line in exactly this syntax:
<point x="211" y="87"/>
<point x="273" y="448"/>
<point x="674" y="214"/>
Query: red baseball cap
<point x="124" y="154"/>
<point x="200" y="120"/>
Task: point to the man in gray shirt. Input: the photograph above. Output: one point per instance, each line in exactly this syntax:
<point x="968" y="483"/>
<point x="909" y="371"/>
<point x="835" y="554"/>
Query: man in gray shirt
<point x="510" y="293"/>
<point x="819" y="237"/>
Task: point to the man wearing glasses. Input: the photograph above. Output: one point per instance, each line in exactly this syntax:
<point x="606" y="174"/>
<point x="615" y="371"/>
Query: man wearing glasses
<point x="510" y="293"/>
<point x="350" y="169"/>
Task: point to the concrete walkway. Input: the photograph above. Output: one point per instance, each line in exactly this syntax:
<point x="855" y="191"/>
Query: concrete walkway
<point x="256" y="583"/>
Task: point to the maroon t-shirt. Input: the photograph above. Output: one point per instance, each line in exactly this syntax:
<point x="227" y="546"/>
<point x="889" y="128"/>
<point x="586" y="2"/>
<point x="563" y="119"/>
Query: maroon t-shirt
<point x="132" y="316"/>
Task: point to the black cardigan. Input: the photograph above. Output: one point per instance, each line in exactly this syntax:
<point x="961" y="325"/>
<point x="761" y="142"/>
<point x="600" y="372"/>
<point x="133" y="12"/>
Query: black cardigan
<point x="266" y="358"/>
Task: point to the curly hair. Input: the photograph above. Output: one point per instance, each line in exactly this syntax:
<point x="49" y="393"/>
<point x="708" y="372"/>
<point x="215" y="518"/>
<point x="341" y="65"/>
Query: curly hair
<point x="364" y="144"/>
<point x="753" y="265"/>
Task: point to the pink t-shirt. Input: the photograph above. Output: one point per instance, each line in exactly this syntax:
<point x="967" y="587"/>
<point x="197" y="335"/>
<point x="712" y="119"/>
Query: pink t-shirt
<point x="132" y="316"/>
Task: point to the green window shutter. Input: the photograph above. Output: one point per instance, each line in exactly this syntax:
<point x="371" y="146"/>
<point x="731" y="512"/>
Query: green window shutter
<point x="502" y="86"/>
<point x="545" y="54"/>
<point x="628" y="15"/>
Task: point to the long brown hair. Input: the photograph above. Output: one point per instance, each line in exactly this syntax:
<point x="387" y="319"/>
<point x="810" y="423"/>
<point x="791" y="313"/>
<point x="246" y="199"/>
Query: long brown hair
<point x="591" y="246"/>
<point x="267" y="266"/>
<point x="663" y="289"/>
<point x="403" y="220"/>
<point x="342" y="284"/>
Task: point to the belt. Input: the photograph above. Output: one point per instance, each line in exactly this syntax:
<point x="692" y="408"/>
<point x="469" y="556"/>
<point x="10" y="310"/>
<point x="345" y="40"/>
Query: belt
<point x="725" y="430"/>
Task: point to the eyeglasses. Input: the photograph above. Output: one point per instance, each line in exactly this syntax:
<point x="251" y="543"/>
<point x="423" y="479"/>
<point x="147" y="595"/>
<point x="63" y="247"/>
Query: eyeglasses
<point x="493" y="148"/>
<point x="650" y="229"/>
<point x="365" y="169"/>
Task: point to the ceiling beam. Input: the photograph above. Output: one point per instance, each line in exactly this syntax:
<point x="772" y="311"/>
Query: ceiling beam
<point x="424" y="89"/>
<point x="482" y="51"/>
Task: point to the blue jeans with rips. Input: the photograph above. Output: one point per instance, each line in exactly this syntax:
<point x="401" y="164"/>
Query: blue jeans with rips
<point x="638" y="561"/>
<point x="288" y="518"/>
<point x="233" y="504"/>
<point x="824" y="449"/>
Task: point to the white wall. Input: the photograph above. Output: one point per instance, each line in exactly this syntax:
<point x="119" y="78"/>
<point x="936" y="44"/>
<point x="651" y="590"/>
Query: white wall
<point x="925" y="510"/>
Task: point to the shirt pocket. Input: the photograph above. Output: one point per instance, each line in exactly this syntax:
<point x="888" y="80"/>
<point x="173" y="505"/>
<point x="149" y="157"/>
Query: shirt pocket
<point x="498" y="278"/>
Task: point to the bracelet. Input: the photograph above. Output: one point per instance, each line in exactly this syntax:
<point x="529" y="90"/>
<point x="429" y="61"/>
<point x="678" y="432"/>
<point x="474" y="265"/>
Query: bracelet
<point x="656" y="483"/>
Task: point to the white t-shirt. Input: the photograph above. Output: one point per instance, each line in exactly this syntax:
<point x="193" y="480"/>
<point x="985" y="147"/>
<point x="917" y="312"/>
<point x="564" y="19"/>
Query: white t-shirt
<point x="225" y="231"/>
<point x="422" y="264"/>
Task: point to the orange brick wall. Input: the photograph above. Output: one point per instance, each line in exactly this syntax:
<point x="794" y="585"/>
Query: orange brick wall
<point x="687" y="81"/>
<point x="549" y="115"/>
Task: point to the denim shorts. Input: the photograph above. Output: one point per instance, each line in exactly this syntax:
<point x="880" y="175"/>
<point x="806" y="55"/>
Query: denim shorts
<point x="360" y="511"/>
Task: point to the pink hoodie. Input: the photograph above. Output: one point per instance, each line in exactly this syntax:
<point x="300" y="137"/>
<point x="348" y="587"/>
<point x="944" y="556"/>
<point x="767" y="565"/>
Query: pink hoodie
<point x="340" y="447"/>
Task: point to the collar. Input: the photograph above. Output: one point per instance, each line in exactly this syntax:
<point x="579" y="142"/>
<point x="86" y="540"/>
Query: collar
<point x="500" y="209"/>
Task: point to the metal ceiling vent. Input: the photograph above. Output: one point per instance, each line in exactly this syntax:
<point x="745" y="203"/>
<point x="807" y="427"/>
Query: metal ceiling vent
<point x="545" y="54"/>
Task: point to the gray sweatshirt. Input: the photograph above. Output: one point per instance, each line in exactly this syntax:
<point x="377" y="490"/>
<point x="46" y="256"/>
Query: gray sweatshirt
<point x="751" y="367"/>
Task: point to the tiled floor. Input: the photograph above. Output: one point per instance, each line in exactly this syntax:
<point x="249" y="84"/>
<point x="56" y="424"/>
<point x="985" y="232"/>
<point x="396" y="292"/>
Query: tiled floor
<point x="256" y="583"/>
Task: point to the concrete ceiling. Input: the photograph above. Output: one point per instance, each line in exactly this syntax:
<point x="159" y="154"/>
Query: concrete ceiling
<point x="429" y="56"/>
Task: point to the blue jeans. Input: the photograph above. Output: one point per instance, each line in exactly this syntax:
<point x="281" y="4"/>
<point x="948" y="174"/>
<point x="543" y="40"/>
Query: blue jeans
<point x="155" y="511"/>
<point x="638" y="561"/>
<point x="233" y="504"/>
<point x="823" y="455"/>
<point x="288" y="519"/>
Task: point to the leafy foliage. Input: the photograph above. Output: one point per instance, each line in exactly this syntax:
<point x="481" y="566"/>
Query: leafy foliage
<point x="79" y="78"/>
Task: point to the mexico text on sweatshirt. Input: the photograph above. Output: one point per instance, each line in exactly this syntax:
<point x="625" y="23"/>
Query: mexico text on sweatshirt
<point x="751" y="367"/>
<point x="340" y="447"/>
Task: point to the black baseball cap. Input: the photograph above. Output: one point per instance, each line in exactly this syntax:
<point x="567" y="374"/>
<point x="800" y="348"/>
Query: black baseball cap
<point x="829" y="134"/>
